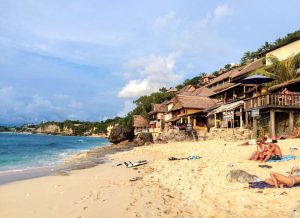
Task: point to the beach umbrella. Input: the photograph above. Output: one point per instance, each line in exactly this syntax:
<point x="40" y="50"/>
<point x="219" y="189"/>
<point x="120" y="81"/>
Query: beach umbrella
<point x="256" y="79"/>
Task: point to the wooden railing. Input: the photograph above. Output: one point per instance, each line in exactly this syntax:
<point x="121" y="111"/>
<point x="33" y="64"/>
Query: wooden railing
<point x="273" y="100"/>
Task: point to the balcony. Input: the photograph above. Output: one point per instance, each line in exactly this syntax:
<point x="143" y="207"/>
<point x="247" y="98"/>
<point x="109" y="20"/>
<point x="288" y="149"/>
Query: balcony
<point x="288" y="101"/>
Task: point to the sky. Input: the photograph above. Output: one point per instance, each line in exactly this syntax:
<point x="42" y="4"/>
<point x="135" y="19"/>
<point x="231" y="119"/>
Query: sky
<point x="88" y="60"/>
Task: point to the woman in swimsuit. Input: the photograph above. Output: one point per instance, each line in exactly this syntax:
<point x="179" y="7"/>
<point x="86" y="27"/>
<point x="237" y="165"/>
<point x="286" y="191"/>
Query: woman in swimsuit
<point x="260" y="150"/>
<point x="279" y="180"/>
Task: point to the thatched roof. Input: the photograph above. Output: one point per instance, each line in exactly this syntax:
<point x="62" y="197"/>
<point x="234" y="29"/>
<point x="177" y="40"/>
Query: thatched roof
<point x="195" y="102"/>
<point x="173" y="89"/>
<point x="222" y="87"/>
<point x="140" y="122"/>
<point x="188" y="88"/>
<point x="225" y="87"/>
<point x="248" y="68"/>
<point x="237" y="72"/>
<point x="222" y="77"/>
<point x="284" y="84"/>
<point x="203" y="91"/>
<point x="159" y="108"/>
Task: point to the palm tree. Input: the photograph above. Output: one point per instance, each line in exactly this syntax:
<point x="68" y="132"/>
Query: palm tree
<point x="281" y="71"/>
<point x="284" y="70"/>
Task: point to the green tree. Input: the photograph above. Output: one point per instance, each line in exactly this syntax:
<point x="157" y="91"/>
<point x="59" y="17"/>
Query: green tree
<point x="281" y="71"/>
<point x="227" y="67"/>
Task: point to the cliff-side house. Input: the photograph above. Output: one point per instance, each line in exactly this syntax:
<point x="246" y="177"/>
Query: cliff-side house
<point x="188" y="109"/>
<point x="156" y="117"/>
<point x="140" y="124"/>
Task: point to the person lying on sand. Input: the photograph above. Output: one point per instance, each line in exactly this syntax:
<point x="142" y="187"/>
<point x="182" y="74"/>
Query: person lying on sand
<point x="273" y="152"/>
<point x="279" y="180"/>
<point x="260" y="149"/>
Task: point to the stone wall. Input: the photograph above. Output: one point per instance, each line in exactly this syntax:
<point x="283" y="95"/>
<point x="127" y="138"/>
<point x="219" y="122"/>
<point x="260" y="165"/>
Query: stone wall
<point x="230" y="133"/>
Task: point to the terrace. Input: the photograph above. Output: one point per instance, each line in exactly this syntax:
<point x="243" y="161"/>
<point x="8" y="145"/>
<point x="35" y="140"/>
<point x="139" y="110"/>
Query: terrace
<point x="271" y="100"/>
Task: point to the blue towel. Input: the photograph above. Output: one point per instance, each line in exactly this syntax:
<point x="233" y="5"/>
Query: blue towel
<point x="194" y="157"/>
<point x="262" y="185"/>
<point x="284" y="158"/>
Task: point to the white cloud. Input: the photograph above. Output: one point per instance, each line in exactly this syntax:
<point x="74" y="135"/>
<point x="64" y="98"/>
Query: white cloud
<point x="20" y="108"/>
<point x="160" y="22"/>
<point x="220" y="12"/>
<point x="200" y="41"/>
<point x="128" y="106"/>
<point x="150" y="74"/>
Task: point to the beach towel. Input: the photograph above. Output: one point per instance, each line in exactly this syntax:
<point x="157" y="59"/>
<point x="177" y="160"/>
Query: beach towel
<point x="193" y="157"/>
<point x="262" y="185"/>
<point x="284" y="158"/>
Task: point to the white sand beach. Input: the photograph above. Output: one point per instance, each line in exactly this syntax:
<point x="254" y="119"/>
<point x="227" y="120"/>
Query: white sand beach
<point x="183" y="188"/>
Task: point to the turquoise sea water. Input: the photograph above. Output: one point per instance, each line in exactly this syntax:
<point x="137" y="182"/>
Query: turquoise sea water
<point x="26" y="151"/>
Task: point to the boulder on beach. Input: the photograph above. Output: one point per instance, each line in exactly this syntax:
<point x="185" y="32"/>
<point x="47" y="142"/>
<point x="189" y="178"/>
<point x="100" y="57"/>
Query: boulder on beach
<point x="143" y="138"/>
<point x="119" y="134"/>
<point x="240" y="176"/>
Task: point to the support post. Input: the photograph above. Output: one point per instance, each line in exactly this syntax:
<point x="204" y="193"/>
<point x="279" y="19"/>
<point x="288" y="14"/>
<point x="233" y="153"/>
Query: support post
<point x="272" y="123"/>
<point x="189" y="119"/>
<point x="215" y="120"/>
<point x="291" y="121"/>
<point x="255" y="127"/>
<point x="247" y="119"/>
<point x="241" y="118"/>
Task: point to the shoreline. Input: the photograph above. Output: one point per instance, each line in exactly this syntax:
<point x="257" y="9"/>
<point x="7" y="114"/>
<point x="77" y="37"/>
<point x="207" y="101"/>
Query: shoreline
<point x="76" y="161"/>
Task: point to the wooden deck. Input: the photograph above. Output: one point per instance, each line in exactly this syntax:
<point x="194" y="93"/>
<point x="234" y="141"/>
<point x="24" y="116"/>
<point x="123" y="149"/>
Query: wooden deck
<point x="290" y="101"/>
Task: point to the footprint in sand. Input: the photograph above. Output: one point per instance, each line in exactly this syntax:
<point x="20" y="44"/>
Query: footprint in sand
<point x="295" y="212"/>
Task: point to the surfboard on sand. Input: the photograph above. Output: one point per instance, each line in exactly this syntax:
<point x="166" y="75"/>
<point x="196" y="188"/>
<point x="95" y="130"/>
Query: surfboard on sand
<point x="130" y="164"/>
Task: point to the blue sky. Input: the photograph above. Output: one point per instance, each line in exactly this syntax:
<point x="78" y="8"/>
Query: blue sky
<point x="87" y="60"/>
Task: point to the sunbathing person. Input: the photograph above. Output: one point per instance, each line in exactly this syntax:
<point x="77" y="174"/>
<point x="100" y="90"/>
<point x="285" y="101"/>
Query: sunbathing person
<point x="273" y="152"/>
<point x="279" y="180"/>
<point x="260" y="149"/>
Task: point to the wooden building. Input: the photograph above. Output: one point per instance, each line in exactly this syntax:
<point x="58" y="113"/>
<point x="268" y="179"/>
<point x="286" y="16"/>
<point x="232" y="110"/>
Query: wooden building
<point x="140" y="124"/>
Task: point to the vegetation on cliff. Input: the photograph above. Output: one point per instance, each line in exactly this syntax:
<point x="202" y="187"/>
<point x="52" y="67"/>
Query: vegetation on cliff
<point x="267" y="46"/>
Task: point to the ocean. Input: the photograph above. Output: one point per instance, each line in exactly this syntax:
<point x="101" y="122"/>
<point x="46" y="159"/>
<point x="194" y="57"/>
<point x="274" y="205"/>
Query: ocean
<point x="20" y="152"/>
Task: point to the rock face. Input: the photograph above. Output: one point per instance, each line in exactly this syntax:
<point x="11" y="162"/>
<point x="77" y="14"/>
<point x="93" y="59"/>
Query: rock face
<point x="240" y="176"/>
<point x="119" y="134"/>
<point x="175" y="135"/>
<point x="54" y="130"/>
<point x="143" y="138"/>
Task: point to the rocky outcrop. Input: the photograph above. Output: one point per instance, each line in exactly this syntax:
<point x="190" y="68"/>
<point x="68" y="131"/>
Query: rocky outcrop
<point x="53" y="129"/>
<point x="175" y="135"/>
<point x="240" y="176"/>
<point x="119" y="134"/>
<point x="143" y="138"/>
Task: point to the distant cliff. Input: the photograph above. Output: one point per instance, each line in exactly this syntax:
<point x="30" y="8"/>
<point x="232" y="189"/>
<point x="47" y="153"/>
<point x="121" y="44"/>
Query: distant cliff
<point x="70" y="128"/>
<point x="54" y="129"/>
